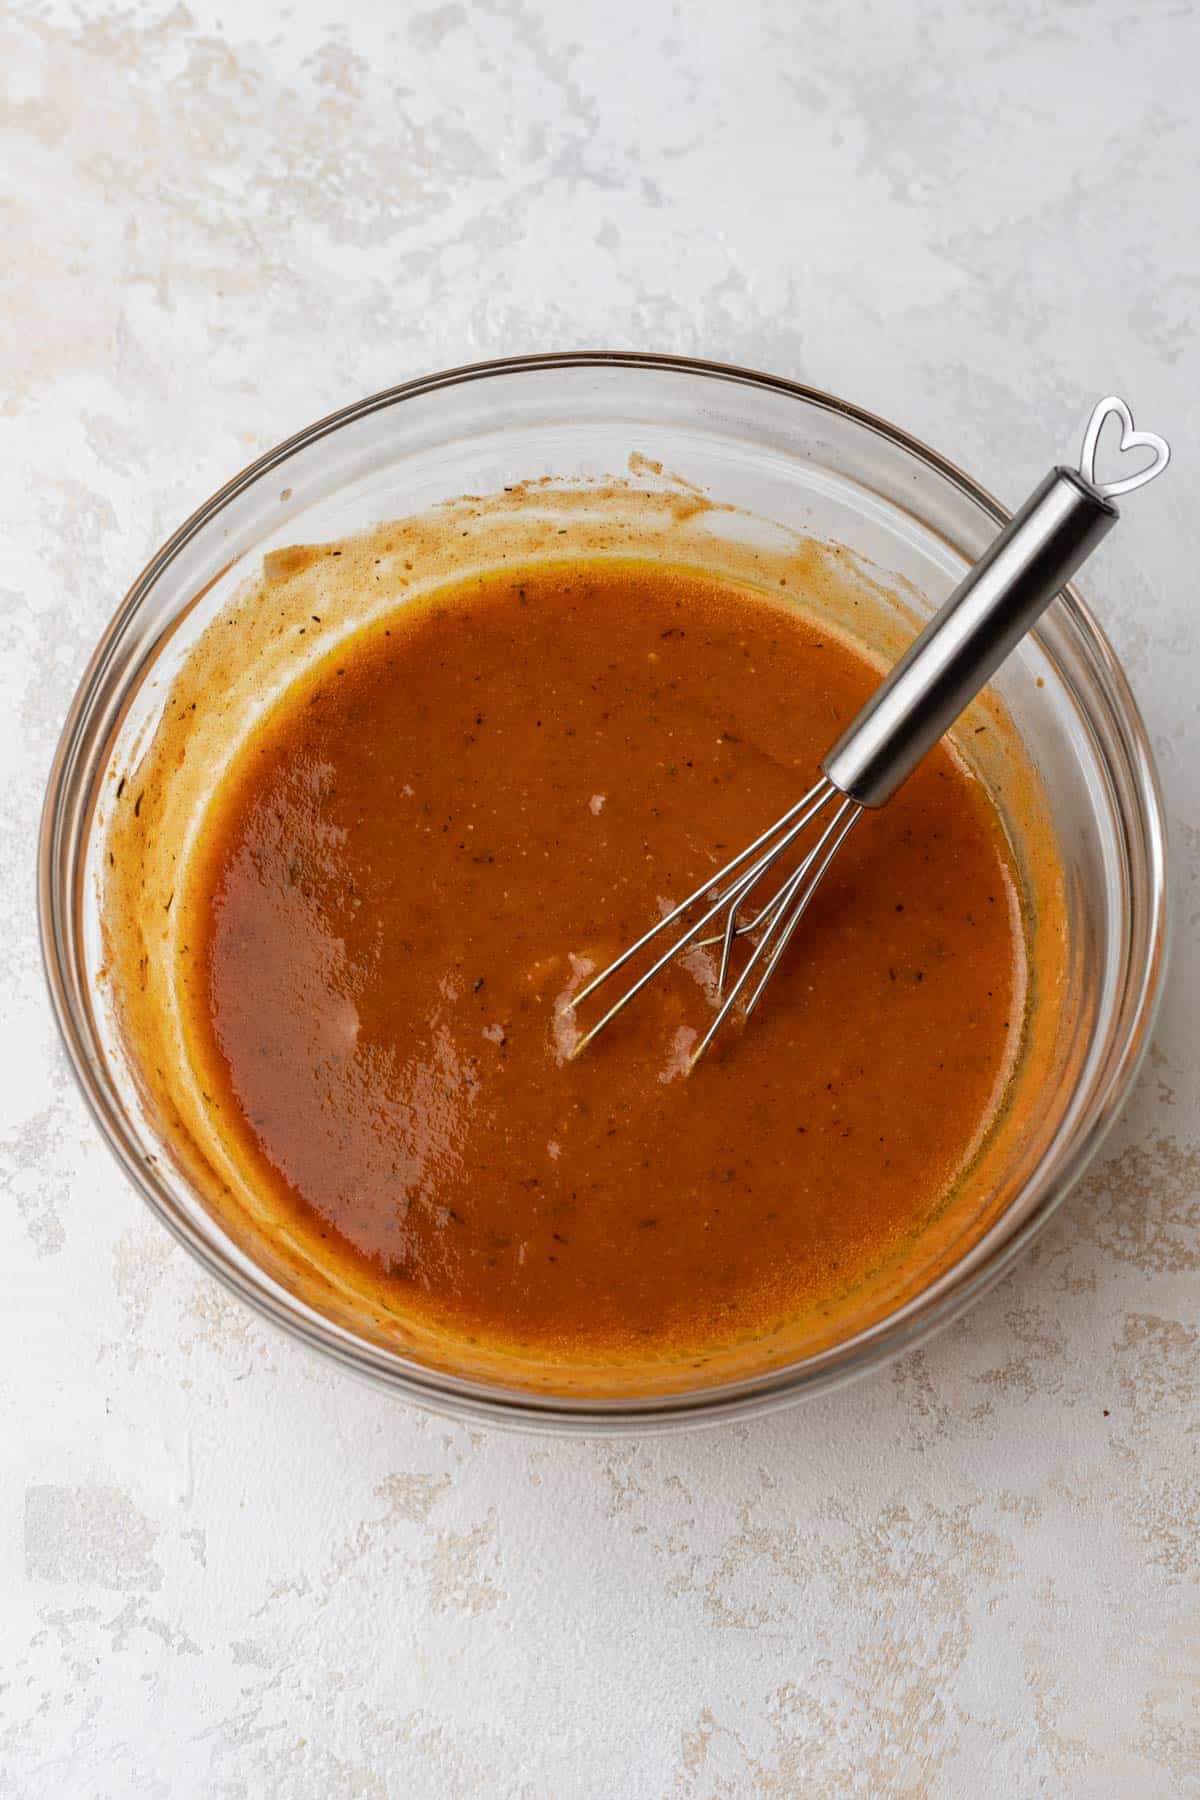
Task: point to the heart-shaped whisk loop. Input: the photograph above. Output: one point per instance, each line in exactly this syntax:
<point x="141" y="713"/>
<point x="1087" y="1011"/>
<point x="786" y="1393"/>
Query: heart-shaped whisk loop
<point x="1112" y="406"/>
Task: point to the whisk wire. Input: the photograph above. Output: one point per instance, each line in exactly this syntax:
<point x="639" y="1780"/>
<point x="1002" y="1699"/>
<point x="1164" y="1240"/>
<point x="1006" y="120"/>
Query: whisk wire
<point x="796" y="893"/>
<point x="778" y="837"/>
<point x="853" y="812"/>
<point x="780" y="914"/>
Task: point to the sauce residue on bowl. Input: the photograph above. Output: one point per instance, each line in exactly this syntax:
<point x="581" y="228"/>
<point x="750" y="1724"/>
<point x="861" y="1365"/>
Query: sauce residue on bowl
<point x="425" y="847"/>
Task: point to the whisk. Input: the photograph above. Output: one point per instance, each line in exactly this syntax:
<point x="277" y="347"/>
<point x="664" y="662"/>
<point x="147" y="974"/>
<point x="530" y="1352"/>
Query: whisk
<point x="990" y="610"/>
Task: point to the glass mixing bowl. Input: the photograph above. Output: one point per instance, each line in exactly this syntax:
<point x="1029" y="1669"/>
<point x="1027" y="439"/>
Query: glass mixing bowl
<point x="782" y="453"/>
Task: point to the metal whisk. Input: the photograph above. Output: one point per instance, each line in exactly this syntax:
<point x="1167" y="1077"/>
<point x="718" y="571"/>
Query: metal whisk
<point x="990" y="610"/>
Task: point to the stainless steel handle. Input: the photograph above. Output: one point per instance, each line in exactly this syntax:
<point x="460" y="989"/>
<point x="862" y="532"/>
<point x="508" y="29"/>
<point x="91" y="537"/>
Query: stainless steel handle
<point x="988" y="613"/>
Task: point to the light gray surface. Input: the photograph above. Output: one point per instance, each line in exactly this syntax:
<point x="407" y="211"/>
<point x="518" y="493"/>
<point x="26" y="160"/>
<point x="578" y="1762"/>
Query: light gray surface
<point x="227" y="1570"/>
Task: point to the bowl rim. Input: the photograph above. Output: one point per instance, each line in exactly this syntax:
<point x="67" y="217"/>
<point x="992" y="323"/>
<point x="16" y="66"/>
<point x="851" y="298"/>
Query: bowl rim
<point x="451" y="1395"/>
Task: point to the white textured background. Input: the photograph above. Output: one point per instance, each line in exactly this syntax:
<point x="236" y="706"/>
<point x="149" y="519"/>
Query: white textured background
<point x="226" y="1570"/>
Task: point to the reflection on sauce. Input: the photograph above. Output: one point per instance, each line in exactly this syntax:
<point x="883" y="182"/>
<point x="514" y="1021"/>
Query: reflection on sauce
<point x="439" y="833"/>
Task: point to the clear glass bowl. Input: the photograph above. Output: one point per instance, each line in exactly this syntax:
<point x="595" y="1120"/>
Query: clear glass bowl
<point x="783" y="453"/>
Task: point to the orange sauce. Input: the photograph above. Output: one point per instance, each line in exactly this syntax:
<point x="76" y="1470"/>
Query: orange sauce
<point x="438" y="833"/>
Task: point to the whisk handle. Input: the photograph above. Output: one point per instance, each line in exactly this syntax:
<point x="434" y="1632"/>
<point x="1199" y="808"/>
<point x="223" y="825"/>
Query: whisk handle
<point x="988" y="613"/>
